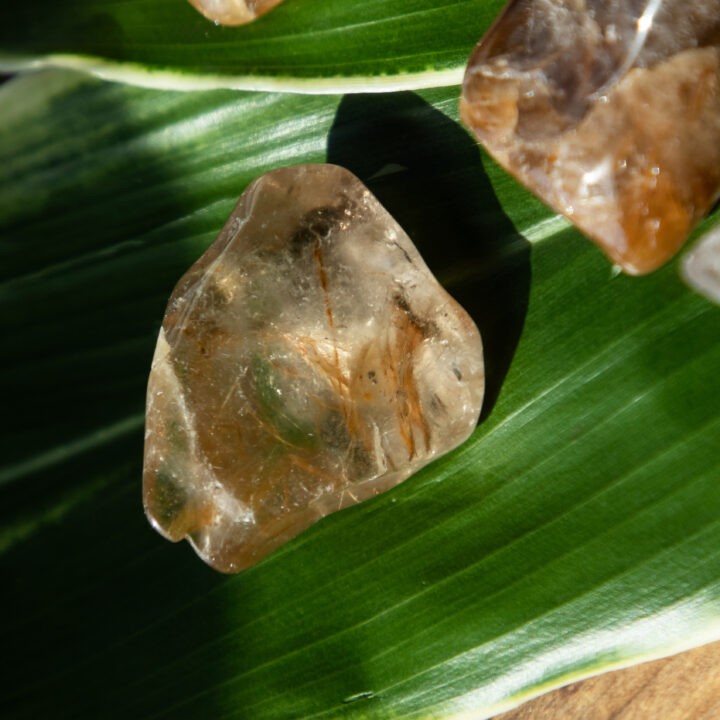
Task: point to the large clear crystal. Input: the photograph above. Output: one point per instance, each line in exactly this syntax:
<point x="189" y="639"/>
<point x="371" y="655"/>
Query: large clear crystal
<point x="307" y="361"/>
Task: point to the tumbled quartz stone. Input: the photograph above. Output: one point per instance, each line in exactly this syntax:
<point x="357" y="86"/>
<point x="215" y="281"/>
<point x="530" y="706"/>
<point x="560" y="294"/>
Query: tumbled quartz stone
<point x="307" y="361"/>
<point x="701" y="266"/>
<point x="233" y="12"/>
<point x="609" y="111"/>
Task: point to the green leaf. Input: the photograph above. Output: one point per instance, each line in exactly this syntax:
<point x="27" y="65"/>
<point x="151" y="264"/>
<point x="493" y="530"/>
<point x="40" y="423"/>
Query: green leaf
<point x="301" y="46"/>
<point x="577" y="530"/>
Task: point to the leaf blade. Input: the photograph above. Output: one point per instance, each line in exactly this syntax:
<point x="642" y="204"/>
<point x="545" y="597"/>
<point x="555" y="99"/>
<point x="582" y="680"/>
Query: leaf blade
<point x="576" y="530"/>
<point x="302" y="46"/>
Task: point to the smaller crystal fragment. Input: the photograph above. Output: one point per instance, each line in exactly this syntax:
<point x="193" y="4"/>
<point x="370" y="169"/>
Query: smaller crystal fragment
<point x="610" y="112"/>
<point x="307" y="361"/>
<point x="234" y="12"/>
<point x="701" y="266"/>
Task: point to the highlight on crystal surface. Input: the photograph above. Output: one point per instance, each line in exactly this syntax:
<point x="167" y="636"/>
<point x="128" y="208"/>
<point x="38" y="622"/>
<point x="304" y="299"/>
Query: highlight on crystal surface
<point x="233" y="12"/>
<point x="307" y="361"/>
<point x="609" y="111"/>
<point x="701" y="266"/>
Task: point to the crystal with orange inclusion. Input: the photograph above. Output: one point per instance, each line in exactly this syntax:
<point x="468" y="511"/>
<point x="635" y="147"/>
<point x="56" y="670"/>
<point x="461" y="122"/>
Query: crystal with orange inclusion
<point x="609" y="111"/>
<point x="307" y="361"/>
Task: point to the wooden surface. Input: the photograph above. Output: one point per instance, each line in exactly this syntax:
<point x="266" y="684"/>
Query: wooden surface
<point x="682" y="687"/>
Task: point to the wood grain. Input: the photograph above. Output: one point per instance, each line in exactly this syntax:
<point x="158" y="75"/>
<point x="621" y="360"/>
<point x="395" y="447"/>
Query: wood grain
<point x="682" y="687"/>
